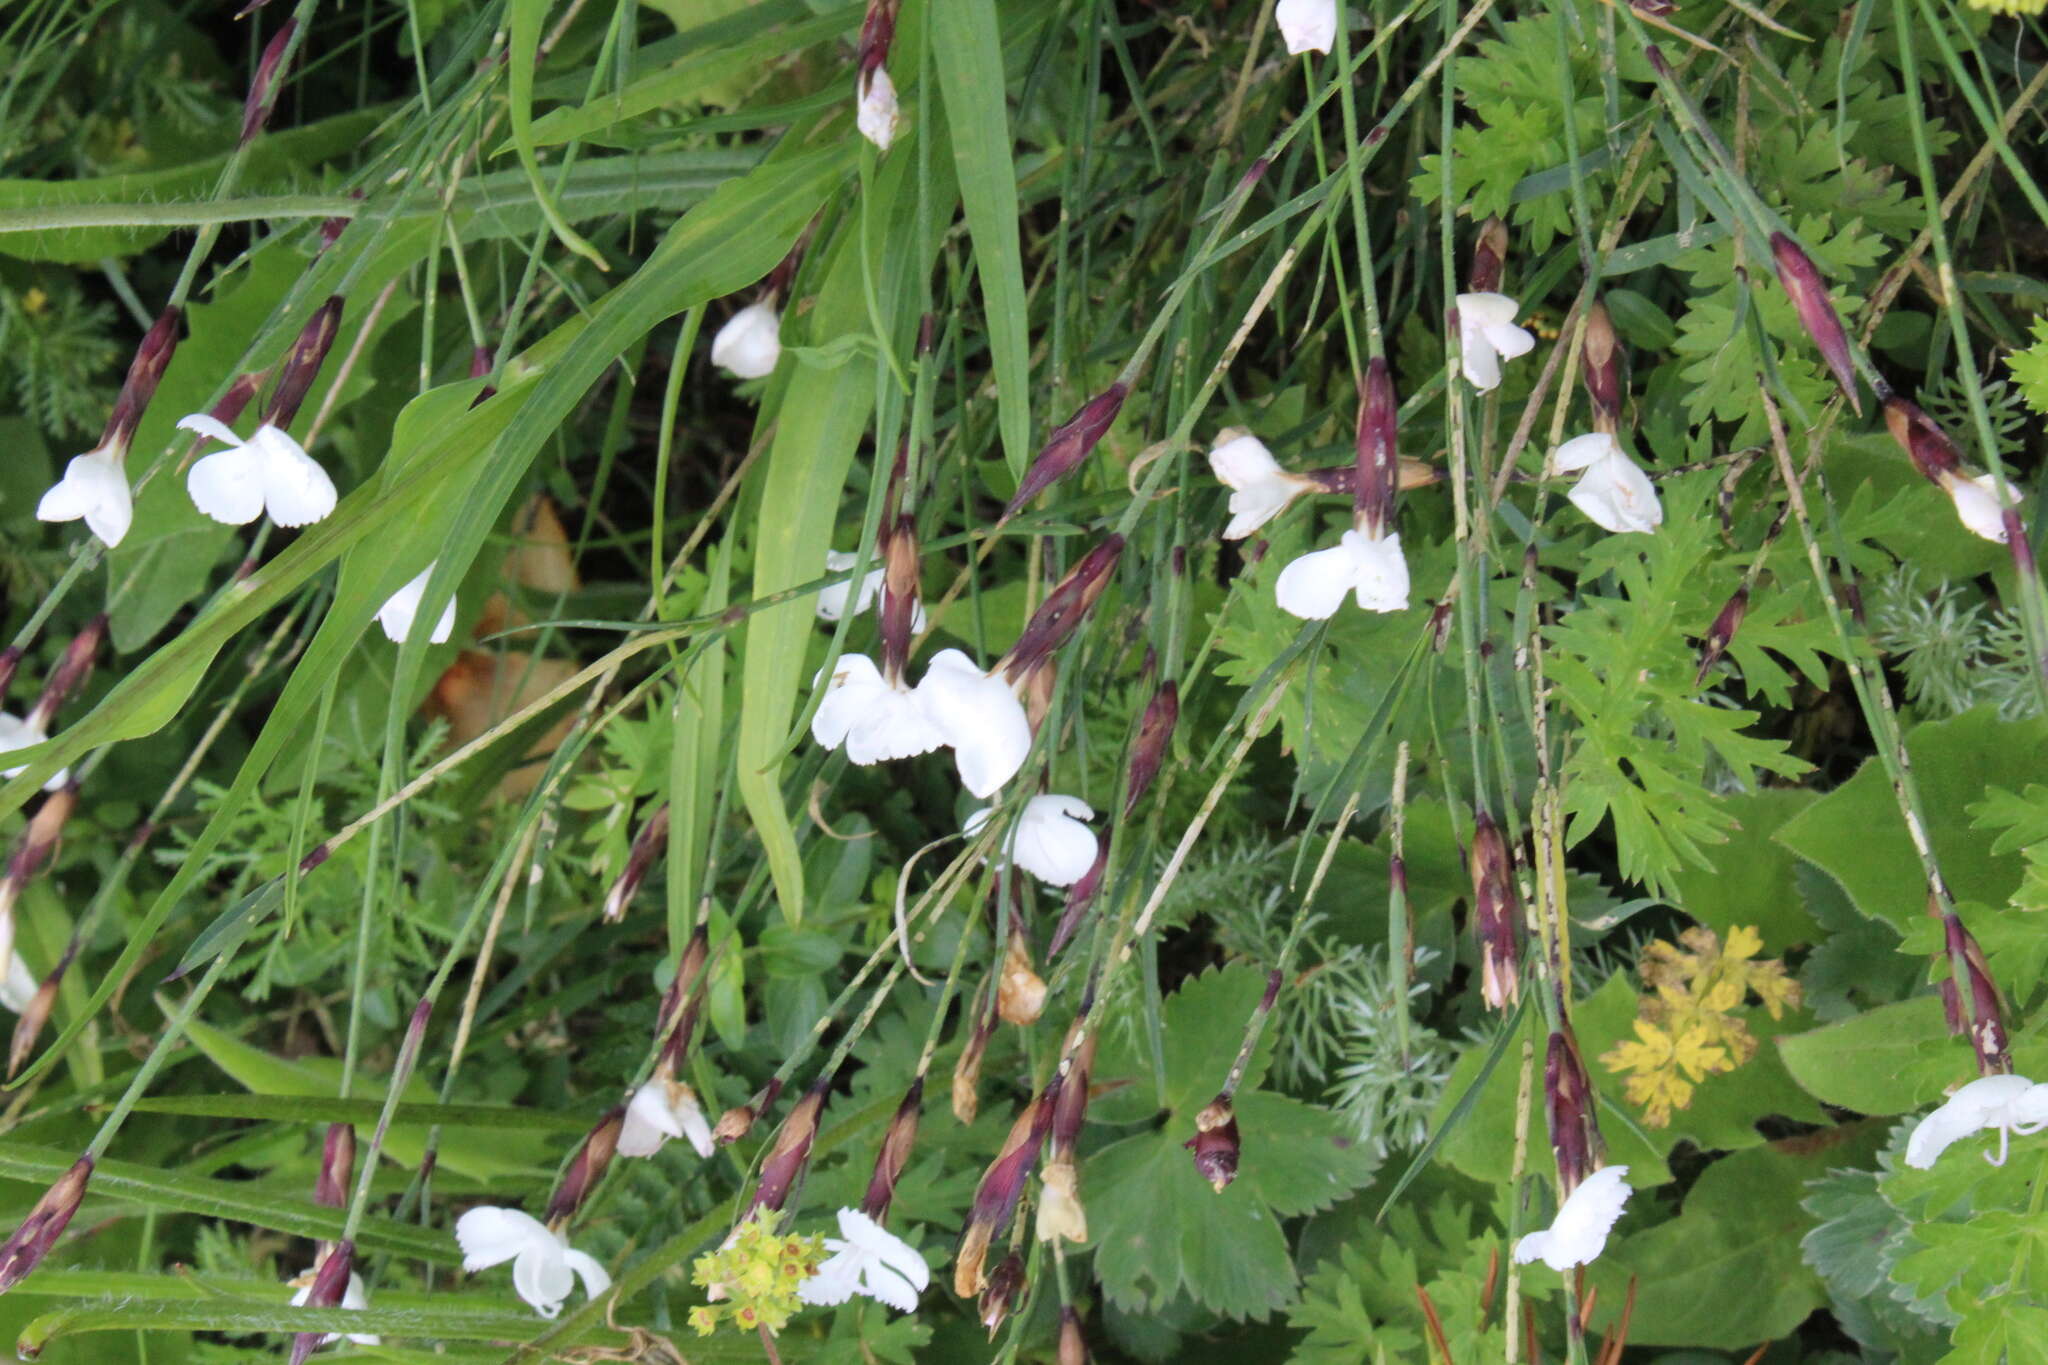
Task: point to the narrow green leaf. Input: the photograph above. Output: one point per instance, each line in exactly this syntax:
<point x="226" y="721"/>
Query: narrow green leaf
<point x="524" y="19"/>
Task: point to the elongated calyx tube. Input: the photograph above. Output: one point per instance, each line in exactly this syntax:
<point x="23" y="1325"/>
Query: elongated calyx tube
<point x="70" y="673"/>
<point x="1569" y="1105"/>
<point x="1073" y="1349"/>
<point x="1809" y="295"/>
<point x="1379" y="471"/>
<point x="899" y="595"/>
<point x="262" y="96"/>
<point x="337" y="1166"/>
<point x="1986" y="1022"/>
<point x="1148" y="750"/>
<point x="145" y="371"/>
<point x="21" y="1253"/>
<point x="1069" y="445"/>
<point x="789" y="1156"/>
<point x="1923" y="440"/>
<point x="1600" y="368"/>
<point x="1080" y="898"/>
<point x="1063" y="609"/>
<point x="1722" y="633"/>
<point x="967" y="1070"/>
<point x="1061" y="1213"/>
<point x="1215" y="1143"/>
<point x="681" y="1001"/>
<point x="1002" y="1185"/>
<point x="1496" y="914"/>
<point x="302" y="364"/>
<point x="647" y="845"/>
<point x="330" y="1285"/>
<point x="1489" y="258"/>
<point x="895" y="1154"/>
<point x="588" y="1166"/>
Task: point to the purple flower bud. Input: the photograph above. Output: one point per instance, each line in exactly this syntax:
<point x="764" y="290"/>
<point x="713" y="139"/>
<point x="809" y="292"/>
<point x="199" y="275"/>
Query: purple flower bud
<point x="679" y="1004"/>
<point x="31" y="1242"/>
<point x="303" y="363"/>
<point x="877" y="33"/>
<point x="789" y="1156"/>
<point x="1080" y="896"/>
<point x="1496" y="914"/>
<point x="70" y="673"/>
<point x="337" y="1166"/>
<point x="899" y="595"/>
<point x="1987" y="1007"/>
<point x="30" y="1025"/>
<point x="895" y="1153"/>
<point x="1721" y="633"/>
<point x="1809" y="295"/>
<point x="1069" y="445"/>
<point x="1440" y="625"/>
<point x="1568" y="1103"/>
<point x="1489" y="258"/>
<point x="1600" y="361"/>
<point x="263" y="90"/>
<point x="1062" y="610"/>
<point x="152" y="357"/>
<point x="967" y="1070"/>
<point x="1215" y="1143"/>
<point x="588" y="1166"/>
<point x="1002" y="1185"/>
<point x="1378" y="465"/>
<point x="330" y="1285"/>
<point x="648" y="844"/>
<point x="1155" y="728"/>
<point x="1924" y="442"/>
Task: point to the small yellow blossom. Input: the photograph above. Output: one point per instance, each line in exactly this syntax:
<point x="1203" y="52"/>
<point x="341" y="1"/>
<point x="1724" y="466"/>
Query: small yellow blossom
<point x="754" y="1276"/>
<point x="2010" y="6"/>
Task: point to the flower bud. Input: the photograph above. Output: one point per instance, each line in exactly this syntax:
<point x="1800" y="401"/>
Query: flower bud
<point x="1496" y="914"/>
<point x="1489" y="258"/>
<point x="999" y="1297"/>
<point x="679" y="1004"/>
<point x="895" y="1153"/>
<point x="967" y="1071"/>
<point x="789" y="1156"/>
<point x="1987" y="1007"/>
<point x="302" y="364"/>
<point x="69" y="675"/>
<point x="1726" y="623"/>
<point x="337" y="1166"/>
<point x="1068" y="446"/>
<point x="649" y="843"/>
<point x="1062" y="610"/>
<point x="1073" y="1346"/>
<point x="1080" y="896"/>
<point x="152" y="357"/>
<point x="1440" y="625"/>
<point x="36" y="1017"/>
<point x="330" y="1283"/>
<point x="262" y="96"/>
<point x="1378" y="465"/>
<point x="1809" y="295"/>
<point x="736" y="1122"/>
<point x="1020" y="990"/>
<point x="1002" y="1185"/>
<point x="899" y="609"/>
<point x="31" y="1242"/>
<point x="34" y="848"/>
<point x="1215" y="1143"/>
<point x="1600" y="367"/>
<point x="587" y="1167"/>
<point x="1568" y="1103"/>
<point x="1924" y="442"/>
<point x="1148" y="750"/>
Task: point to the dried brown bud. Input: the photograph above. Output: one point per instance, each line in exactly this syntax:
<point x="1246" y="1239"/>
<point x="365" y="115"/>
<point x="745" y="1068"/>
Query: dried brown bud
<point x="895" y="1153"/>
<point x="302" y="364"/>
<point x="1063" y="609"/>
<point x="648" y="844"/>
<point x="1721" y="633"/>
<point x="1489" y="258"/>
<point x="1568" y="1102"/>
<point x="262" y="95"/>
<point x="1924" y="442"/>
<point x="1496" y="914"/>
<point x="337" y="1166"/>
<point x="32" y="850"/>
<point x="24" y="1251"/>
<point x="789" y="1156"/>
<point x="1440" y="625"/>
<point x="1600" y="361"/>
<point x="1068" y="446"/>
<point x="1809" y="295"/>
<point x="999" y="1297"/>
<point x="1060" y="1211"/>
<point x="1002" y="1185"/>
<point x="1215" y="1143"/>
<point x="1020" y="991"/>
<point x="736" y="1122"/>
<point x="588" y="1166"/>
<point x="967" y="1071"/>
<point x="1377" y="463"/>
<point x="329" y="1287"/>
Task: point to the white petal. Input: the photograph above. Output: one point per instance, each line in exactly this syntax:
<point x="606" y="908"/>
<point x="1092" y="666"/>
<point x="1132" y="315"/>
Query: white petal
<point x="893" y="726"/>
<point x="228" y="485"/>
<point x="1382" y="572"/>
<point x="492" y="1236"/>
<point x="1617" y="496"/>
<point x="95" y="487"/>
<point x="979" y="717"/>
<point x="19" y="985"/>
<point x="883" y="1284"/>
<point x="834" y="1282"/>
<point x="696" y="1131"/>
<point x="1307" y="25"/>
<point x="1511" y="341"/>
<point x="853" y="683"/>
<point x="596" y="1279"/>
<point x="16" y="733"/>
<point x="864" y="1232"/>
<point x="1242" y="460"/>
<point x="832" y="599"/>
<point x="541" y="1276"/>
<point x="210" y="426"/>
<point x="1486" y="332"/>
<point x="1582" y="452"/>
<point x="1313" y="586"/>
<point x="398" y="610"/>
<point x="750" y="342"/>
<point x="296" y="490"/>
<point x="876" y="114"/>
<point x="649" y="1122"/>
<point x="1579" y="1233"/>
<point x="1972" y="1107"/>
<point x="1051" y="843"/>
<point x="1977" y="506"/>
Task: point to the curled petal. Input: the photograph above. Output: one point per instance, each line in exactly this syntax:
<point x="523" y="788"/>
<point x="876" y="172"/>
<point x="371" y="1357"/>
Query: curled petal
<point x="1486" y="333"/>
<point x="1617" y="496"/>
<point x="1380" y="572"/>
<point x="492" y="1236"/>
<point x="1981" y="1104"/>
<point x="397" y="613"/>
<point x="1313" y="586"/>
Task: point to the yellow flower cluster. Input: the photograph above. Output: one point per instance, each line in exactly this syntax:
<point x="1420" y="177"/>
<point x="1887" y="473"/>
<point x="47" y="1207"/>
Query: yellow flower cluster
<point x="753" y="1277"/>
<point x="1688" y="1028"/>
<point x="2010" y="6"/>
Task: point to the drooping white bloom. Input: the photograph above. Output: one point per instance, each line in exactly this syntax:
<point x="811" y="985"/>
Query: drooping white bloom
<point x="1579" y="1232"/>
<point x="269" y="472"/>
<point x="867" y="1259"/>
<point x="1313" y="586"/>
<point x="16" y="733"/>
<point x="876" y="114"/>
<point x="2011" y="1104"/>
<point x="832" y="598"/>
<point x="1612" y="491"/>
<point x="544" y="1267"/>
<point x="95" y="487"/>
<point x="661" y="1109"/>
<point x="978" y="716"/>
<point x="1259" y="488"/>
<point x="1307" y="25"/>
<point x="875" y="719"/>
<point x="1486" y="334"/>
<point x="396" y="615"/>
<point x="750" y="342"/>
<point x="355" y="1297"/>
<point x="1049" y="839"/>
<point x="18" y="985"/>
<point x="1977" y="505"/>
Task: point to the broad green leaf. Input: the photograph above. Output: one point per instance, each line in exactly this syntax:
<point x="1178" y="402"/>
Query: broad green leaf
<point x="1751" y="878"/>
<point x="1893" y="1059"/>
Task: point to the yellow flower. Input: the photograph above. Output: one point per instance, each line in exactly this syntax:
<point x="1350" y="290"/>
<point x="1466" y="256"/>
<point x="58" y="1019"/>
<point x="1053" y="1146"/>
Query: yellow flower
<point x="2010" y="6"/>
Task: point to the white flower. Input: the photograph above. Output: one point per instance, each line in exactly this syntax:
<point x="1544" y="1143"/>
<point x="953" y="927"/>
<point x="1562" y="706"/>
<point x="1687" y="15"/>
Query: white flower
<point x="750" y="342"/>
<point x="355" y="1297"/>
<point x="397" y="613"/>
<point x="16" y="733"/>
<point x="268" y="472"/>
<point x="1579" y="1232"/>
<point x="1307" y="25"/>
<point x="978" y="716"/>
<point x="544" y="1267"/>
<point x="1487" y="332"/>
<point x="1615" y="494"/>
<point x="867" y="1259"/>
<point x="876" y="113"/>
<point x="1313" y="586"/>
<point x="1977" y="505"/>
<point x="19" y="985"/>
<point x="2011" y="1104"/>
<point x="1260" y="488"/>
<point x="832" y="599"/>
<point x="661" y="1109"/>
<point x="875" y="719"/>
<point x="1048" y="841"/>
<point x="95" y="487"/>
